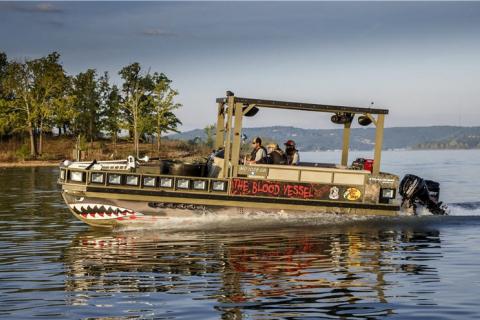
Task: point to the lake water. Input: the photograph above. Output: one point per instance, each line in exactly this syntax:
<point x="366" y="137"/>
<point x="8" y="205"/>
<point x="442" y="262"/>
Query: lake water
<point x="313" y="266"/>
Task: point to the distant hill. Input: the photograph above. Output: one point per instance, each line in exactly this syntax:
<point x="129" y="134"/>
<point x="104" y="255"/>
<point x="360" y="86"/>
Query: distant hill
<point x="435" y="137"/>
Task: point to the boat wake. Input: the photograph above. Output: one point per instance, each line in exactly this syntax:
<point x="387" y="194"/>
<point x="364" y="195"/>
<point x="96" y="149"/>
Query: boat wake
<point x="255" y="221"/>
<point x="265" y="220"/>
<point x="471" y="208"/>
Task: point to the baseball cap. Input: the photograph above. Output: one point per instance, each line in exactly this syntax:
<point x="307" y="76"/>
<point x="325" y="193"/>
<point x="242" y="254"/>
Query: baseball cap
<point x="257" y="140"/>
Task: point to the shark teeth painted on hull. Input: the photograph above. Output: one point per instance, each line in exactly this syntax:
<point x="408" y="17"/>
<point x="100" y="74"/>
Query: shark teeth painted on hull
<point x="102" y="211"/>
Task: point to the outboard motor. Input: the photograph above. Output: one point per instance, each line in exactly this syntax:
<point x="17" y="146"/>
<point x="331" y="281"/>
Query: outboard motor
<point x="415" y="190"/>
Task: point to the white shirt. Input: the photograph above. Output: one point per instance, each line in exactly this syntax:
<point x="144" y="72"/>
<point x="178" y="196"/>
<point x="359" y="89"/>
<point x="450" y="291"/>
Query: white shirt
<point x="294" y="159"/>
<point x="260" y="154"/>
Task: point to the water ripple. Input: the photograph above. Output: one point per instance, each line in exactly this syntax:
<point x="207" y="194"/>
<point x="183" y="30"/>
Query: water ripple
<point x="55" y="267"/>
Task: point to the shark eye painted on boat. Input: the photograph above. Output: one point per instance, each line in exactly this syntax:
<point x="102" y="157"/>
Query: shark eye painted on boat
<point x="149" y="181"/>
<point x="114" y="179"/>
<point x="166" y="182"/>
<point x="132" y="180"/>
<point x="76" y="176"/>
<point x="183" y="184"/>
<point x="97" y="178"/>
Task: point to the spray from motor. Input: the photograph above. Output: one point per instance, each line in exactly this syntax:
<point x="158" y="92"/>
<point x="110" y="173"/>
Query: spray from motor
<point x="230" y="219"/>
<point x="416" y="191"/>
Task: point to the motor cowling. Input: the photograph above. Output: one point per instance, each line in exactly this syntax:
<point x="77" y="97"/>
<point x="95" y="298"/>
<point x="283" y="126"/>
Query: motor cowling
<point x="417" y="191"/>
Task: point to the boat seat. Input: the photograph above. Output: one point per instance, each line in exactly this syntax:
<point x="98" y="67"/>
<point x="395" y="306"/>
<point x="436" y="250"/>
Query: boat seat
<point x="216" y="168"/>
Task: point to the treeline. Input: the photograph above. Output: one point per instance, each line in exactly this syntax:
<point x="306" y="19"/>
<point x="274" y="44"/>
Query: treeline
<point x="38" y="98"/>
<point x="461" y="142"/>
<point x="437" y="137"/>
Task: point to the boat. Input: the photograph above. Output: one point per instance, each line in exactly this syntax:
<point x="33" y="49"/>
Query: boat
<point x="146" y="191"/>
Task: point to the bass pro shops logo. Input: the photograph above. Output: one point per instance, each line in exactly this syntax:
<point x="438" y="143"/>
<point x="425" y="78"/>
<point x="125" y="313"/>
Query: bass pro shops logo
<point x="352" y="194"/>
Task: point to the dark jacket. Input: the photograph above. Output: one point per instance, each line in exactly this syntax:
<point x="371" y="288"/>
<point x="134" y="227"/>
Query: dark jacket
<point x="278" y="157"/>
<point x="253" y="155"/>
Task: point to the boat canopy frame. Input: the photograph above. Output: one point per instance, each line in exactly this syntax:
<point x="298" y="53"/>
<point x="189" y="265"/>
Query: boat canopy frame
<point x="231" y="111"/>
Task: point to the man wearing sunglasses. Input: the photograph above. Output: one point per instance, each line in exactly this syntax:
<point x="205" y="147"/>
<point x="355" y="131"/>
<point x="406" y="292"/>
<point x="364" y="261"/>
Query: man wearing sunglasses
<point x="259" y="153"/>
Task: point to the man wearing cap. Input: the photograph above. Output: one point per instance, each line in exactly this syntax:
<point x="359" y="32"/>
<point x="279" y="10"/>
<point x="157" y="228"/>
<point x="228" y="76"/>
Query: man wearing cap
<point x="259" y="153"/>
<point x="292" y="153"/>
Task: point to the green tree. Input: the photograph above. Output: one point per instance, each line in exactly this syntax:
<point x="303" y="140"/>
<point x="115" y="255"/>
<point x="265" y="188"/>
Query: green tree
<point x="210" y="133"/>
<point x="65" y="109"/>
<point x="9" y="119"/>
<point x="48" y="85"/>
<point x="86" y="104"/>
<point x="18" y="111"/>
<point x="163" y="118"/>
<point x="132" y="93"/>
<point x="136" y="103"/>
<point x="3" y="71"/>
<point x="32" y="89"/>
<point x="6" y="122"/>
<point x="111" y="115"/>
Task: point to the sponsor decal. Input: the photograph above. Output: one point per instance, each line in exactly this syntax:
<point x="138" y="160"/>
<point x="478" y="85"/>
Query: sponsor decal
<point x="334" y="193"/>
<point x="253" y="171"/>
<point x="168" y="205"/>
<point x="381" y="180"/>
<point x="352" y="194"/>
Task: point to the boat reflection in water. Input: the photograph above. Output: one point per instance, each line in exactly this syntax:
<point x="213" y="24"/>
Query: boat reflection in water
<point x="366" y="270"/>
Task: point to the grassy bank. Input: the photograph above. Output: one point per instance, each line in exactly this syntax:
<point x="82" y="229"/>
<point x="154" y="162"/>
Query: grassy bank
<point x="32" y="163"/>
<point x="15" y="153"/>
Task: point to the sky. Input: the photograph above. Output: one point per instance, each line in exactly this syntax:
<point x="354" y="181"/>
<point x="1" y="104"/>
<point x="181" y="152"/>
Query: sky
<point x="420" y="60"/>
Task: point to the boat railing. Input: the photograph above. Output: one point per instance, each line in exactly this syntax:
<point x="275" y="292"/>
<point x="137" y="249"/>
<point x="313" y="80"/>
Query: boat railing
<point x="117" y="176"/>
<point x="304" y="174"/>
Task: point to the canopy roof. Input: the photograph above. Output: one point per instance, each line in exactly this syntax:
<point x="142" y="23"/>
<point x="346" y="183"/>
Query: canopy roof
<point x="302" y="106"/>
<point x="232" y="109"/>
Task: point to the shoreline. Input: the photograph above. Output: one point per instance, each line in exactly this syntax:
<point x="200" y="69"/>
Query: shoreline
<point x="29" y="164"/>
<point x="55" y="163"/>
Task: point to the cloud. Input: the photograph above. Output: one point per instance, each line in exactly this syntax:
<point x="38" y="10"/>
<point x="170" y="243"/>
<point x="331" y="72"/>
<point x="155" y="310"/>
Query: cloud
<point x="157" y="33"/>
<point x="46" y="7"/>
<point x="42" y="7"/>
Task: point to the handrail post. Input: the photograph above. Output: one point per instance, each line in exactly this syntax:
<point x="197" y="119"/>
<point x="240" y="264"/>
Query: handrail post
<point x="226" y="160"/>
<point x="378" y="143"/>
<point x="220" y="129"/>
<point x="237" y="130"/>
<point x="346" y="143"/>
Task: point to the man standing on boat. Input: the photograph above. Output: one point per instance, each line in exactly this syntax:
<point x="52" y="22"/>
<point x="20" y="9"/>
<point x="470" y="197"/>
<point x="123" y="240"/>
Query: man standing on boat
<point x="259" y="153"/>
<point x="292" y="153"/>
